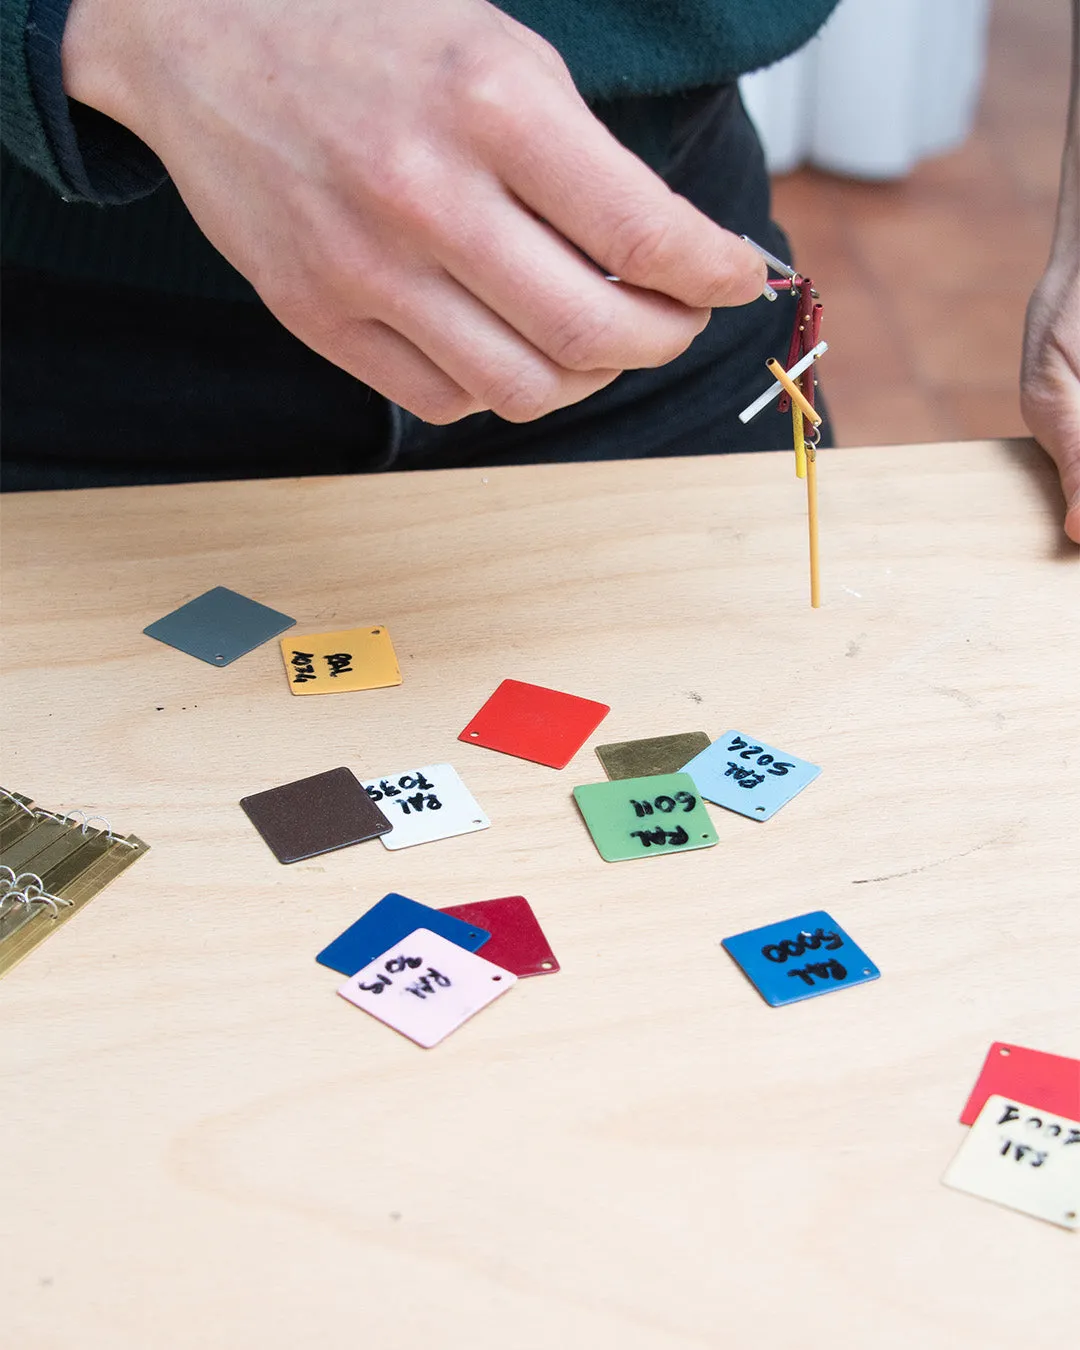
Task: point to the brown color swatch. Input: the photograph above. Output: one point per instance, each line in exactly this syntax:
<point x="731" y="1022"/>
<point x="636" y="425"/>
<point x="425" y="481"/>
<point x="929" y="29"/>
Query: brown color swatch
<point x="315" y="815"/>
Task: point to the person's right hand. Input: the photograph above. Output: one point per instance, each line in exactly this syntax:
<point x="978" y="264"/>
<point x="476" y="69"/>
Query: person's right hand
<point x="415" y="189"/>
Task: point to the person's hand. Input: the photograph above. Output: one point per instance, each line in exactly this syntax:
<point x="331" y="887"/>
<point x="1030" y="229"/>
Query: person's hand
<point x="1050" y="376"/>
<point x="415" y="189"/>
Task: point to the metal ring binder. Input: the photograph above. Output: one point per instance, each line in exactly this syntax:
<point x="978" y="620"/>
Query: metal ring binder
<point x="51" y="864"/>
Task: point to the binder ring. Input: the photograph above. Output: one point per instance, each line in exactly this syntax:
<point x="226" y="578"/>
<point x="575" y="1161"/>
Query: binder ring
<point x="12" y="798"/>
<point x="25" y="879"/>
<point x="87" y="821"/>
<point x="43" y="898"/>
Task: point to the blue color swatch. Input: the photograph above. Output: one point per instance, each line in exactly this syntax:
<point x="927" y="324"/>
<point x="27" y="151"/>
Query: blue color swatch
<point x="747" y="776"/>
<point x="800" y="958"/>
<point x="385" y="924"/>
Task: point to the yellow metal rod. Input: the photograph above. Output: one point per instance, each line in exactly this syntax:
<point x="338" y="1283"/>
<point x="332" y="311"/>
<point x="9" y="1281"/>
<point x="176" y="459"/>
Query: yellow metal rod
<point x="812" y="522"/>
<point x="800" y="440"/>
<point x="777" y="371"/>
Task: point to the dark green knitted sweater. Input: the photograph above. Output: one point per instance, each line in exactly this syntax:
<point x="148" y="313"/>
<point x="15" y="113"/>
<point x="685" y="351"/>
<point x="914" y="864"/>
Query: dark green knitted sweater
<point x="83" y="197"/>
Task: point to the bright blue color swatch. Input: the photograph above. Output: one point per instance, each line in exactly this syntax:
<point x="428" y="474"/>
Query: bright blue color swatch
<point x="748" y="776"/>
<point x="218" y="626"/>
<point x="800" y="958"/>
<point x="385" y="924"/>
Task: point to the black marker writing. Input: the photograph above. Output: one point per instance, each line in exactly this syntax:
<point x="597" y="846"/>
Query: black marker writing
<point x="822" y="969"/>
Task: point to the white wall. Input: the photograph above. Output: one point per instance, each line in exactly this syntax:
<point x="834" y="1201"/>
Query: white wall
<point x="885" y="84"/>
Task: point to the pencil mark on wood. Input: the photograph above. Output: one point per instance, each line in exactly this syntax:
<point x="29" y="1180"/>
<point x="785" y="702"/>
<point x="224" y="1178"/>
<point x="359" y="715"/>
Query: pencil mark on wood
<point x="694" y="695"/>
<point x="940" y="862"/>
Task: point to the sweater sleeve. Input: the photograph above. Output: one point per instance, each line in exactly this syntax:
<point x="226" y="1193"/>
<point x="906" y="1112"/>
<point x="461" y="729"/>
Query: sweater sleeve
<point x="82" y="154"/>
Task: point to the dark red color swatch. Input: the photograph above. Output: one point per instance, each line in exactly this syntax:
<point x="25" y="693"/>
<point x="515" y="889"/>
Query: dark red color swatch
<point x="517" y="941"/>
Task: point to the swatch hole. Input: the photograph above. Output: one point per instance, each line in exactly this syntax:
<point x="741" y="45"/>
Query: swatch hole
<point x="219" y="657"/>
<point x="474" y="733"/>
<point x="496" y="977"/>
<point x="760" y="808"/>
<point x="1003" y="1051"/>
<point x="545" y="965"/>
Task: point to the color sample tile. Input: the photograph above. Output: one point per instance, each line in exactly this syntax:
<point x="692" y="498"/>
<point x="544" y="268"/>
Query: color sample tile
<point x="800" y="958"/>
<point x="641" y="817"/>
<point x="426" y="987"/>
<point x="341" y="662"/>
<point x="535" y="723"/>
<point x="386" y="923"/>
<point x="653" y="755"/>
<point x="1023" y="1157"/>
<point x="517" y="940"/>
<point x="426" y="804"/>
<point x="749" y="776"/>
<point x="219" y="626"/>
<point x="315" y="815"/>
<point x="1052" y="1082"/>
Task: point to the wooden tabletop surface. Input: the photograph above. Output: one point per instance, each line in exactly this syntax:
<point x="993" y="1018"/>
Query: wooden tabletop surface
<point x="204" y="1146"/>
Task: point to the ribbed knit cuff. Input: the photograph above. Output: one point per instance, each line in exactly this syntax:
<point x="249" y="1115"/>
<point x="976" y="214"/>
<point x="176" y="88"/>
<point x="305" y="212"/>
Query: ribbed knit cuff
<point x="98" y="160"/>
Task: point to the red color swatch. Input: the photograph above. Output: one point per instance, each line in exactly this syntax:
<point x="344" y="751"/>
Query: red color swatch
<point x="517" y="941"/>
<point x="535" y="723"/>
<point x="1049" y="1082"/>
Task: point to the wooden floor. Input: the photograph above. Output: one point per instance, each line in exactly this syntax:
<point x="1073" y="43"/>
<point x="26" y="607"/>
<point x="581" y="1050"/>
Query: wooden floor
<point x="925" y="281"/>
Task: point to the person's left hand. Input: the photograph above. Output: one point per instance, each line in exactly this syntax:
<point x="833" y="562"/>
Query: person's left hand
<point x="1050" y="375"/>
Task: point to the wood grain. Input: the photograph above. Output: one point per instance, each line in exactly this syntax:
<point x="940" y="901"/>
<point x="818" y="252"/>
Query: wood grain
<point x="204" y="1146"/>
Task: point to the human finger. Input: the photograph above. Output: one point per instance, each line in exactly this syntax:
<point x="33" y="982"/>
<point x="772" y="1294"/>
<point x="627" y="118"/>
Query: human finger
<point x="545" y="289"/>
<point x="576" y="175"/>
<point x="387" y="361"/>
<point x="479" y="351"/>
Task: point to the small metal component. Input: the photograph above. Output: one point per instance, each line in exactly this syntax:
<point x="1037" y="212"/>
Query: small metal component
<point x="809" y="412"/>
<point x="777" y="388"/>
<point x="774" y="262"/>
<point x="770" y="258"/>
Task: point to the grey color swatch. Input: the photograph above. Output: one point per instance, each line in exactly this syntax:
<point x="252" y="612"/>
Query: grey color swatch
<point x="219" y="626"/>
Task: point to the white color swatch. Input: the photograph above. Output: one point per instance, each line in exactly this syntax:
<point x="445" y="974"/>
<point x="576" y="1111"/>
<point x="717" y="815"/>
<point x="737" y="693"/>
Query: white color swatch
<point x="426" y="986"/>
<point x="425" y="804"/>
<point x="1024" y="1158"/>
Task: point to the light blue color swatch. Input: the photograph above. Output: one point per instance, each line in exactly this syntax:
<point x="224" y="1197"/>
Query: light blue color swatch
<point x="748" y="776"/>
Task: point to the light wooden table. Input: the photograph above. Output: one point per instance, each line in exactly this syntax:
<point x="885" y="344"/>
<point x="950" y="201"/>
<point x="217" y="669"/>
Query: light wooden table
<point x="203" y="1146"/>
